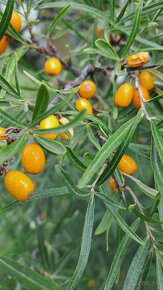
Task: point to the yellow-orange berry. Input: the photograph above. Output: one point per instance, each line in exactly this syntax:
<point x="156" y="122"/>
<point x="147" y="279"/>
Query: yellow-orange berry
<point x="91" y="283"/>
<point x="63" y="135"/>
<point x="48" y="123"/>
<point x="33" y="159"/>
<point x="3" y="44"/>
<point x="87" y="89"/>
<point x="136" y="99"/>
<point x="112" y="184"/>
<point x="3" y="132"/>
<point x="146" y="80"/>
<point x="19" y="185"/>
<point x="84" y="104"/>
<point x="138" y="59"/>
<point x="53" y="66"/>
<point x="16" y="21"/>
<point x="124" y="95"/>
<point x="99" y="31"/>
<point x="127" y="164"/>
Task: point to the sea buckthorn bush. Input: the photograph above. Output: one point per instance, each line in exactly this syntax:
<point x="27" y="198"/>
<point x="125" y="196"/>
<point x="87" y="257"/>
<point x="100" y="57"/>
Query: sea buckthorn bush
<point x="81" y="148"/>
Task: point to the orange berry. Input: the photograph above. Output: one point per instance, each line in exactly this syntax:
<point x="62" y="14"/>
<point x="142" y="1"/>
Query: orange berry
<point x="3" y="44"/>
<point x="16" y="21"/>
<point x="124" y="95"/>
<point x="127" y="164"/>
<point x="63" y="135"/>
<point x="33" y="159"/>
<point x="91" y="283"/>
<point x="112" y="184"/>
<point x="19" y="185"/>
<point x="99" y="31"/>
<point x="138" y="59"/>
<point x="53" y="66"/>
<point x="87" y="89"/>
<point x="3" y="132"/>
<point x="48" y="123"/>
<point x="136" y="99"/>
<point x="146" y="80"/>
<point x="84" y="104"/>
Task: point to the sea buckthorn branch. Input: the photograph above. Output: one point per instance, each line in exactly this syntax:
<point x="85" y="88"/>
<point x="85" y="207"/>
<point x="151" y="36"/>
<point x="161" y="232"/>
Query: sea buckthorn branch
<point x="137" y="84"/>
<point x="148" y="231"/>
<point x="142" y="67"/>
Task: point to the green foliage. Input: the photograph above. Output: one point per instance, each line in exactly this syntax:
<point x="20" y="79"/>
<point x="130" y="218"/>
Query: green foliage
<point x="42" y="244"/>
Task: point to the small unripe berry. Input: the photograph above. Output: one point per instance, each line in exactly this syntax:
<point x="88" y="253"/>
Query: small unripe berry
<point x="48" y="123"/>
<point x="16" y="21"/>
<point x="19" y="185"/>
<point x="53" y="66"/>
<point x="63" y="135"/>
<point x="146" y="80"/>
<point x="33" y="159"/>
<point x="3" y="132"/>
<point x="127" y="164"/>
<point x="112" y="184"/>
<point x="87" y="89"/>
<point x="84" y="104"/>
<point x="124" y="95"/>
<point x="3" y="44"/>
<point x="136" y="99"/>
<point x="138" y="59"/>
<point x="99" y="31"/>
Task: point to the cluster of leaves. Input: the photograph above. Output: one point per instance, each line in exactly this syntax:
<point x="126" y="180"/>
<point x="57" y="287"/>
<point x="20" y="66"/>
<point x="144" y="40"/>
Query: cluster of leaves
<point x="83" y="156"/>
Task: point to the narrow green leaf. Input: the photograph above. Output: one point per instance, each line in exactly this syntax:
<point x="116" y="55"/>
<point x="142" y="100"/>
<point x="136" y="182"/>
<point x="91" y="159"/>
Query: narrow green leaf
<point x="122" y="11"/>
<point x="120" y="221"/>
<point x="158" y="139"/>
<point x="134" y="29"/>
<point x="26" y="276"/>
<point x="73" y="189"/>
<point x="120" y="151"/>
<point x="146" y="218"/>
<point x="42" y="101"/>
<point x="159" y="274"/>
<point x="72" y="124"/>
<point x="51" y="145"/>
<point x="146" y="189"/>
<point x="42" y="248"/>
<point x="74" y="159"/>
<point x="98" y="122"/>
<point x="118" y="258"/>
<point x="160" y="211"/>
<point x="85" y="246"/>
<point x="7" y="152"/>
<point x="92" y="138"/>
<point x="112" y="8"/>
<point x="157" y="168"/>
<point x="107" y="149"/>
<point x="159" y="97"/>
<point x="136" y="266"/>
<point x="6" y="17"/>
<point x="11" y="120"/>
<point x="88" y="157"/>
<point x="110" y="202"/>
<point x="7" y="87"/>
<point x="107" y="49"/>
<point x="58" y="18"/>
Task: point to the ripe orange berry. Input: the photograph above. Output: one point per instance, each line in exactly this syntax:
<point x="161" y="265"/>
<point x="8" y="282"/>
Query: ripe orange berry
<point x="3" y="44"/>
<point x="99" y="31"/>
<point x="87" y="89"/>
<point x="136" y="99"/>
<point x="3" y="132"/>
<point x="91" y="283"/>
<point x="63" y="135"/>
<point x="127" y="164"/>
<point x="124" y="95"/>
<point x="16" y="21"/>
<point x="33" y="159"/>
<point x="138" y="59"/>
<point x="48" y="123"/>
<point x="19" y="185"/>
<point x="146" y="80"/>
<point x="53" y="66"/>
<point x="112" y="184"/>
<point x="83" y="104"/>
